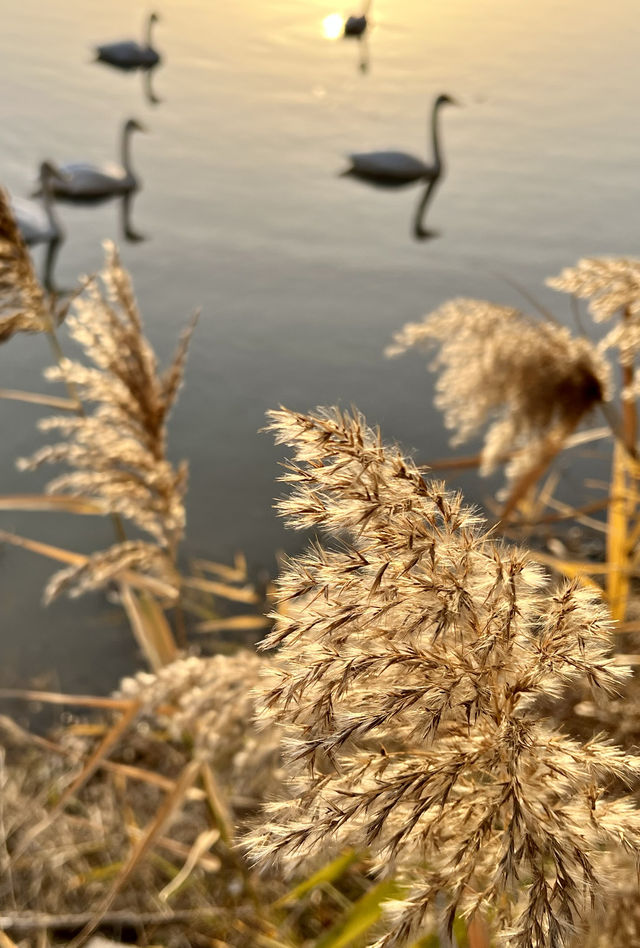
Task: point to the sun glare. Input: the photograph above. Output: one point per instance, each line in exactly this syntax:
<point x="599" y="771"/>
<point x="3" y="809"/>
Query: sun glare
<point x="333" y="26"/>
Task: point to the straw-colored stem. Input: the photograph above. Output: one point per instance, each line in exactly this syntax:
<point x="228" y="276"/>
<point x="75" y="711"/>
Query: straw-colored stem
<point x="622" y="508"/>
<point x="629" y="410"/>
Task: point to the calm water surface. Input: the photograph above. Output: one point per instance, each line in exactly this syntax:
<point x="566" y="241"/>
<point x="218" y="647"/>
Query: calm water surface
<point x="302" y="276"/>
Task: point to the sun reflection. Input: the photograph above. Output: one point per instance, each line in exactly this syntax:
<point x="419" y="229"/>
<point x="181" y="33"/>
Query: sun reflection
<point x="333" y="26"/>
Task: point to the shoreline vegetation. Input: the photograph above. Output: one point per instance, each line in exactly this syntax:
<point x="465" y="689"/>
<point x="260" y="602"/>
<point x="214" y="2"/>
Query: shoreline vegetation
<point x="435" y="744"/>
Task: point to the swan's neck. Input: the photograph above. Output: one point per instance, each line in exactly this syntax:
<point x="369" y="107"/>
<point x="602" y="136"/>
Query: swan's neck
<point x="126" y="151"/>
<point x="147" y="36"/>
<point x="435" y="138"/>
<point x="49" y="204"/>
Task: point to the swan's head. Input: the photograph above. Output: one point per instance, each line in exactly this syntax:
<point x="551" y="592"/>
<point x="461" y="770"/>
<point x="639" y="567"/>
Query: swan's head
<point x="154" y="17"/>
<point x="132" y="125"/>
<point x="444" y="99"/>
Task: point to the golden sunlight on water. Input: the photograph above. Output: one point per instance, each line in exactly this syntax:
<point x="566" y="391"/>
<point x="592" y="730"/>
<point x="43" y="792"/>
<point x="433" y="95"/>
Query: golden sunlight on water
<point x="332" y="26"/>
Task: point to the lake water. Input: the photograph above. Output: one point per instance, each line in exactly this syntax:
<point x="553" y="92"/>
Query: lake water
<point x="301" y="275"/>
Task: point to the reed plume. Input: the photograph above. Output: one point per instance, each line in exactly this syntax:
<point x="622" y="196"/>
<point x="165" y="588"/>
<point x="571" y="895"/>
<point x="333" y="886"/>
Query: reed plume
<point x="23" y="307"/>
<point x="529" y="380"/>
<point x="413" y="657"/>
<point x="612" y="286"/>
<point x="117" y="453"/>
<point x="210" y="703"/>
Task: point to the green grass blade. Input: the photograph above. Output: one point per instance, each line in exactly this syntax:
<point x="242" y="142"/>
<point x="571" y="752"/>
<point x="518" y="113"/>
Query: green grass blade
<point x="329" y="873"/>
<point x="361" y="916"/>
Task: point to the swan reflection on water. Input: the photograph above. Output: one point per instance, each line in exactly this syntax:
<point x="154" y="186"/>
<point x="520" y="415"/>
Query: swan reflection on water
<point x="398" y="169"/>
<point x="129" y="56"/>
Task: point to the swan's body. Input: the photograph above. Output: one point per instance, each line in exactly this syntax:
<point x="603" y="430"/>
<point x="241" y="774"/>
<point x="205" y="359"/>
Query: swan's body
<point x="89" y="182"/>
<point x="37" y="220"/>
<point x="355" y="25"/>
<point x="393" y="168"/>
<point x="397" y="168"/>
<point x="127" y="54"/>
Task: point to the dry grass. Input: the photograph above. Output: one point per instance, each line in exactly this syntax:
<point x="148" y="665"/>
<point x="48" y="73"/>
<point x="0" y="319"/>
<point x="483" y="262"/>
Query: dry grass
<point x="434" y="701"/>
<point x="131" y="822"/>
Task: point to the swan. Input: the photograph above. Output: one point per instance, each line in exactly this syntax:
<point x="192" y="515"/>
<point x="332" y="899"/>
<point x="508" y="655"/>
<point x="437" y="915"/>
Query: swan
<point x="37" y="220"/>
<point x="356" y="25"/>
<point x="88" y="182"/>
<point x="397" y="168"/>
<point x="127" y="54"/>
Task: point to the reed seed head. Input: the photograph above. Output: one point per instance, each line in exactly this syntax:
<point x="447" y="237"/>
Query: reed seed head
<point x="412" y="656"/>
<point x="22" y="303"/>
<point x="210" y="702"/>
<point x="530" y="381"/>
<point x="117" y="452"/>
<point x="612" y="286"/>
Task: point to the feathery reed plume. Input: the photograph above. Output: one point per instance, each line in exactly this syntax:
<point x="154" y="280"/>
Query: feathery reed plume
<point x="117" y="454"/>
<point x="22" y="303"/>
<point x="411" y="660"/>
<point x="531" y="381"/>
<point x="210" y="702"/>
<point x="612" y="285"/>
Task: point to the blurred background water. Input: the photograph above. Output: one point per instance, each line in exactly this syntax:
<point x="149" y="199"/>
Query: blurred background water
<point x="301" y="275"/>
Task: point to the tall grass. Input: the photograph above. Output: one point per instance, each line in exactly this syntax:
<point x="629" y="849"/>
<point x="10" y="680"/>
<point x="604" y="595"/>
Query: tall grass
<point x="416" y="762"/>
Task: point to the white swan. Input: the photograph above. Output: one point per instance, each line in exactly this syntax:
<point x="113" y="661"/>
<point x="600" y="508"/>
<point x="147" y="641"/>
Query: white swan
<point x="83" y="181"/>
<point x="37" y="220"/>
<point x="127" y="54"/>
<point x="397" y="168"/>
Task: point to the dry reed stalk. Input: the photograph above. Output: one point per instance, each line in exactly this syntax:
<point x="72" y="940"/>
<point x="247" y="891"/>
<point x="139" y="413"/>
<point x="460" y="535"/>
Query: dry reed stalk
<point x="412" y="663"/>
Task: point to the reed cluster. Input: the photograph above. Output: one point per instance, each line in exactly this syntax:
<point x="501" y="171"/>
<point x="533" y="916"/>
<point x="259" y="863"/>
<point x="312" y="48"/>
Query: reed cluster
<point x="423" y="735"/>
